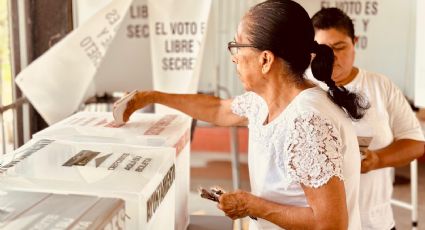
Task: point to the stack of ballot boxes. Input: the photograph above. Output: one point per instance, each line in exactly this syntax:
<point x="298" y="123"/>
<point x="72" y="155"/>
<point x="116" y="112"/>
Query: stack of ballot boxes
<point x="143" y="129"/>
<point x="143" y="177"/>
<point x="32" y="210"/>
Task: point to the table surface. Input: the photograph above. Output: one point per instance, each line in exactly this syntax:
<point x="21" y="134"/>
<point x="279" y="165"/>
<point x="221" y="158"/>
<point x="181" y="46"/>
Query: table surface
<point x="201" y="222"/>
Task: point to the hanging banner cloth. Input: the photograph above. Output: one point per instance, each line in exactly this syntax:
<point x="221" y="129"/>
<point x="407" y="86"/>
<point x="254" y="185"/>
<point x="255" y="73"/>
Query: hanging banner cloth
<point x="177" y="44"/>
<point x="57" y="81"/>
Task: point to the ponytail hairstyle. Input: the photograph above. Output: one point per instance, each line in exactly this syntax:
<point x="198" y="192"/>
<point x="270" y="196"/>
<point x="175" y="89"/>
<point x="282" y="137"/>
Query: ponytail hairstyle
<point x="355" y="105"/>
<point x="326" y="18"/>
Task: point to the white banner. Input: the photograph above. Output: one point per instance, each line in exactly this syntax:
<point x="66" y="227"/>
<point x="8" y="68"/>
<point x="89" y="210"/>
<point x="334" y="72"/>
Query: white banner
<point x="386" y="31"/>
<point x="112" y="47"/>
<point x="177" y="39"/>
<point x="132" y="45"/>
<point x="127" y="65"/>
<point x="56" y="82"/>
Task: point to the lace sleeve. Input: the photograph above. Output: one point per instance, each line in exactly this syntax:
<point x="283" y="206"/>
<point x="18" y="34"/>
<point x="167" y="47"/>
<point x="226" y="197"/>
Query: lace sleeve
<point x="246" y="105"/>
<point x="314" y="151"/>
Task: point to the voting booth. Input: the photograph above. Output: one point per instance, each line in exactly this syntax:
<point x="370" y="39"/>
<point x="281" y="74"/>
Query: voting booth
<point x="143" y="129"/>
<point x="142" y="177"/>
<point x="46" y="211"/>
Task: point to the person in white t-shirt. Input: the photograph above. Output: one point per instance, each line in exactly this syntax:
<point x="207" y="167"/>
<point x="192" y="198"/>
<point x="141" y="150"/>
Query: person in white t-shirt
<point x="304" y="164"/>
<point x="397" y="137"/>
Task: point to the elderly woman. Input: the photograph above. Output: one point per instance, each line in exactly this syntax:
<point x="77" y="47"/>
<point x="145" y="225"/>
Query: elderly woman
<point x="304" y="161"/>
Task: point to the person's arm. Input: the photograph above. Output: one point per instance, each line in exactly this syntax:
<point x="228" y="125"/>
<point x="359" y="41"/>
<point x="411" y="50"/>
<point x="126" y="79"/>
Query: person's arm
<point x="327" y="209"/>
<point x="313" y="149"/>
<point x="399" y="153"/>
<point x="406" y="131"/>
<point x="202" y="107"/>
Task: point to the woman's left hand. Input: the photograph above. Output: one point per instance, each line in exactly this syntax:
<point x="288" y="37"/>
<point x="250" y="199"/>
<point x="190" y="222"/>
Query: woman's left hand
<point x="370" y="162"/>
<point x="235" y="204"/>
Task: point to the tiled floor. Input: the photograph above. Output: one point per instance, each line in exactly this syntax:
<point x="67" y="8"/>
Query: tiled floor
<point x="211" y="169"/>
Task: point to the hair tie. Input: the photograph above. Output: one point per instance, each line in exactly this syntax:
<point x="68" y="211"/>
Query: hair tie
<point x="315" y="47"/>
<point x="331" y="84"/>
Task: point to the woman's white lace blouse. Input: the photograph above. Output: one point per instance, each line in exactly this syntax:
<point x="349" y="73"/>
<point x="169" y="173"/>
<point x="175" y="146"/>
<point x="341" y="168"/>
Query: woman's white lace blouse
<point x="308" y="145"/>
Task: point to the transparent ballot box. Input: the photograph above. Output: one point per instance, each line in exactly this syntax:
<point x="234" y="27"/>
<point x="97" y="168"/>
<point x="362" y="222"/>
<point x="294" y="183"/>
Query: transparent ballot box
<point x="33" y="210"/>
<point x="142" y="177"/>
<point x="143" y="129"/>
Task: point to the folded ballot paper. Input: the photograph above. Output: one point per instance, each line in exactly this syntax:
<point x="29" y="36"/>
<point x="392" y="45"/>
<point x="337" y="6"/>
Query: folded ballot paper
<point x="364" y="143"/>
<point x="154" y="130"/>
<point x="33" y="210"/>
<point x="142" y="177"/>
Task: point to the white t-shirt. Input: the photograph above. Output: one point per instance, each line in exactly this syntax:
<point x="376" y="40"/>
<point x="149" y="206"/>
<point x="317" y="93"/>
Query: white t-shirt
<point x="311" y="141"/>
<point x="389" y="118"/>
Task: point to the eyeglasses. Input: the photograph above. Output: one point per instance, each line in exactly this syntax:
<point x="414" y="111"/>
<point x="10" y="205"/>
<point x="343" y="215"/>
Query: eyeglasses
<point x="234" y="46"/>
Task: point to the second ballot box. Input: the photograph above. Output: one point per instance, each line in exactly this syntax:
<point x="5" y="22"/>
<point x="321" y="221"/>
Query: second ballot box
<point x="143" y="129"/>
<point x="34" y="210"/>
<point x="143" y="177"/>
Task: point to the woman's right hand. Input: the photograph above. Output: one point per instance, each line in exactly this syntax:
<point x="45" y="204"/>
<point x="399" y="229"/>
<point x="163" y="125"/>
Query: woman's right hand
<point x="137" y="100"/>
<point x="140" y="100"/>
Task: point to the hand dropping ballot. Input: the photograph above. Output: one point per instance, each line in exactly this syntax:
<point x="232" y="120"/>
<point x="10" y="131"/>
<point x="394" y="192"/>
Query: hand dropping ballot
<point x="120" y="106"/>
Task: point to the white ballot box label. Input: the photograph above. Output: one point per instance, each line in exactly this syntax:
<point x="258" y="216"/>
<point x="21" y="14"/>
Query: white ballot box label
<point x="21" y="155"/>
<point x="109" y="161"/>
<point x="158" y="195"/>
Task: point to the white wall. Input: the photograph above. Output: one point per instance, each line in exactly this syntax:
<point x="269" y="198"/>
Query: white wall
<point x="127" y="64"/>
<point x="420" y="55"/>
<point x="229" y="14"/>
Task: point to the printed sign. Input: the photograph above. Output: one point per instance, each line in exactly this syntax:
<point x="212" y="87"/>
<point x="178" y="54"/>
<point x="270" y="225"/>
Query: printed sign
<point x="109" y="161"/>
<point x="176" y="44"/>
